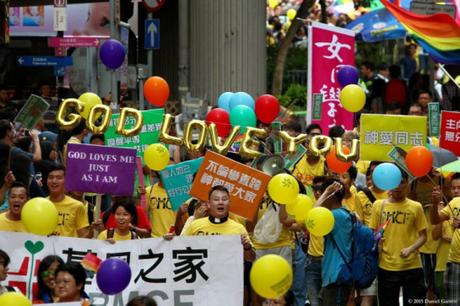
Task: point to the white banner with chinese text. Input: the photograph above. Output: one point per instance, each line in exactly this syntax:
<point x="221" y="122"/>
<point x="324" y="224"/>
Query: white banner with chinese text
<point x="185" y="271"/>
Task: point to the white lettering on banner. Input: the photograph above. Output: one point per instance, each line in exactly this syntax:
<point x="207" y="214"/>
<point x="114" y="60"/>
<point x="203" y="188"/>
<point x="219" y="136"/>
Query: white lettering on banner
<point x="401" y="138"/>
<point x="394" y="138"/>
<point x="334" y="48"/>
<point x="185" y="271"/>
<point x="451" y="124"/>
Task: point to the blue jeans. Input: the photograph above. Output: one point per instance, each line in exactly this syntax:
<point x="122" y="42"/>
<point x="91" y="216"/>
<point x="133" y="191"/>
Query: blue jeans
<point x="313" y="280"/>
<point x="299" y="287"/>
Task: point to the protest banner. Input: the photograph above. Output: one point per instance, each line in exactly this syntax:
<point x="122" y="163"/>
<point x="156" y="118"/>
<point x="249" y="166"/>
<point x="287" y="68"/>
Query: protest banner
<point x="245" y="184"/>
<point x="32" y="111"/>
<point x="290" y="160"/>
<point x="379" y="133"/>
<point x="100" y="169"/>
<point x="205" y="271"/>
<point x="398" y="155"/>
<point x="450" y="131"/>
<point x="434" y="117"/>
<point x="330" y="48"/>
<point x="177" y="180"/>
<point x="148" y="135"/>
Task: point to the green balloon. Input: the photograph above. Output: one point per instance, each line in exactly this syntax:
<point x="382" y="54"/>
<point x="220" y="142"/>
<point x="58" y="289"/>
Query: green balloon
<point x="243" y="116"/>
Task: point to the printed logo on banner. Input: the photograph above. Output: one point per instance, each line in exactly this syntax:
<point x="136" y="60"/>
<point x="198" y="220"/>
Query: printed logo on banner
<point x="32" y="111"/>
<point x="331" y="48"/>
<point x="434" y="117"/>
<point x="450" y="131"/>
<point x="380" y="133"/>
<point x="190" y="269"/>
<point x="177" y="180"/>
<point x="148" y="135"/>
<point x="100" y="169"/>
<point x="245" y="184"/>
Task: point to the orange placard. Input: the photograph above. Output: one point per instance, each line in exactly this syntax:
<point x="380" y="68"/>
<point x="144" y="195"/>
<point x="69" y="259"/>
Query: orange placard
<point x="246" y="185"/>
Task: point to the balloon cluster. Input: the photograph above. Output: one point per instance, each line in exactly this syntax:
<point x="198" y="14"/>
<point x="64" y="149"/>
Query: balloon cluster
<point x="352" y="96"/>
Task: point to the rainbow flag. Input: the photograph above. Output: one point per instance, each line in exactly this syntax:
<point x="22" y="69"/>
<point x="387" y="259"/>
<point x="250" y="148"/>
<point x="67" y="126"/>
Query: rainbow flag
<point x="438" y="34"/>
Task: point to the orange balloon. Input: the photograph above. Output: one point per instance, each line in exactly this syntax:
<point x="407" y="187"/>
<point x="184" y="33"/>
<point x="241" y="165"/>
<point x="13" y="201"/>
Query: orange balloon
<point x="419" y="161"/>
<point x="156" y="91"/>
<point x="335" y="164"/>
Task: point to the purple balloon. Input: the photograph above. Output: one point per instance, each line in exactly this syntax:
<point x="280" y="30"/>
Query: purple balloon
<point x="113" y="276"/>
<point x="112" y="53"/>
<point x="347" y="75"/>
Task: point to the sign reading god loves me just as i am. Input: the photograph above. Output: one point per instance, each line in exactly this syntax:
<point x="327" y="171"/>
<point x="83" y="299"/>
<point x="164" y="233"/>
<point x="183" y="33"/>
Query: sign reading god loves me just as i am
<point x="100" y="169"/>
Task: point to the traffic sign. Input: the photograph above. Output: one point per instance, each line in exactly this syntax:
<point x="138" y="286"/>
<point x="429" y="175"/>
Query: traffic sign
<point x="32" y="61"/>
<point x="426" y="8"/>
<point x="69" y="42"/>
<point x="153" y="5"/>
<point x="152" y="34"/>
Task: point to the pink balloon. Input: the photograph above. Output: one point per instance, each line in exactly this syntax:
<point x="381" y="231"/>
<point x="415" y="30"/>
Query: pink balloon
<point x="267" y="108"/>
<point x="222" y="120"/>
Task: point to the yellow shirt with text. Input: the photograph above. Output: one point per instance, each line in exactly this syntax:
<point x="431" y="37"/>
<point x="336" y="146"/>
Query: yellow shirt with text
<point x="116" y="236"/>
<point x="352" y="203"/>
<point x="306" y="172"/>
<point x="453" y="210"/>
<point x="162" y="217"/>
<point x="10" y="225"/>
<point x="364" y="209"/>
<point x="442" y="252"/>
<point x="406" y="221"/>
<point x="73" y="216"/>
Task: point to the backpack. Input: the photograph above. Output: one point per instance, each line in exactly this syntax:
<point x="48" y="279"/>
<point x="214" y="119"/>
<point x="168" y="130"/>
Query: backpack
<point x="362" y="269"/>
<point x="111" y="232"/>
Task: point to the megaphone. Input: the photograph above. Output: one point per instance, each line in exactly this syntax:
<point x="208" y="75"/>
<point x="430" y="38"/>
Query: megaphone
<point x="271" y="164"/>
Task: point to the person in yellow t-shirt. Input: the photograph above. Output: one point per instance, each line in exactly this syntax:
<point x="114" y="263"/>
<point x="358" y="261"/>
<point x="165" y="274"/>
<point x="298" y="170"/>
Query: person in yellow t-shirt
<point x="351" y="200"/>
<point x="159" y="209"/>
<point x="73" y="215"/>
<point x="450" y="213"/>
<point x="368" y="195"/>
<point x="399" y="262"/>
<point x="125" y="213"/>
<point x="11" y="219"/>
<point x="443" y="233"/>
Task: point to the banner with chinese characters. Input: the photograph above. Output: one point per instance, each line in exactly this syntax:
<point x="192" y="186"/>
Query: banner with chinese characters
<point x="450" y="132"/>
<point x="177" y="180"/>
<point x="205" y="271"/>
<point x="100" y="169"/>
<point x="330" y="48"/>
<point x="380" y="133"/>
<point x="32" y="111"/>
<point x="246" y="185"/>
<point x="434" y="116"/>
<point x="148" y="135"/>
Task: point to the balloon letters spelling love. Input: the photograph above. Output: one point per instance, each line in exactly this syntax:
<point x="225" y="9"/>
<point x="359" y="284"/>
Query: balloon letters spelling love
<point x="249" y="146"/>
<point x="73" y="119"/>
<point x="201" y="142"/>
<point x="216" y="146"/>
<point x="164" y="132"/>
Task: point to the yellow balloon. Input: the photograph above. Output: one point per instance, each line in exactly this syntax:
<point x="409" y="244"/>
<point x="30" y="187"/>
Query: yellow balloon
<point x="352" y="98"/>
<point x="291" y="13"/>
<point x="14" y="299"/>
<point x="39" y="216"/>
<point x="273" y="3"/>
<point x="283" y="188"/>
<point x="156" y="156"/>
<point x="300" y="207"/>
<point x="320" y="221"/>
<point x="89" y="100"/>
<point x="271" y="276"/>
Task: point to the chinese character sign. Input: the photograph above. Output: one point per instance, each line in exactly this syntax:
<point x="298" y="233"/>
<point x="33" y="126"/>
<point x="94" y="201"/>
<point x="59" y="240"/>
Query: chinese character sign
<point x="204" y="271"/>
<point x="380" y="133"/>
<point x="100" y="169"/>
<point x="330" y="48"/>
<point x="148" y="135"/>
<point x="177" y="180"/>
<point x="245" y="184"/>
<point x="450" y="131"/>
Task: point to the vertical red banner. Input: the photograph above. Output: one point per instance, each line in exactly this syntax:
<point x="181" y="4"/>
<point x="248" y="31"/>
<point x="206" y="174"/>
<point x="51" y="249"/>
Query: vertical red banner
<point x="450" y="132"/>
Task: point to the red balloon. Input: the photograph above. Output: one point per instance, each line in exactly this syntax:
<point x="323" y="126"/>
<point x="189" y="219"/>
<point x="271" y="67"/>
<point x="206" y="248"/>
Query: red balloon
<point x="419" y="161"/>
<point x="335" y="164"/>
<point x="222" y="120"/>
<point x="267" y="108"/>
<point x="156" y="91"/>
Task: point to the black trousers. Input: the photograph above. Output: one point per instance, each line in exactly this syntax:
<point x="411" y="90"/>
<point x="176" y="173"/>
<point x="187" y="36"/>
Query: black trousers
<point x="390" y="282"/>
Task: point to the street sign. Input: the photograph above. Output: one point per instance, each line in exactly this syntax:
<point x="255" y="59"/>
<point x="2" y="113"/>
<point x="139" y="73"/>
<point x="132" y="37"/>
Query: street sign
<point x="75" y="42"/>
<point x="32" y="61"/>
<point x="153" y="5"/>
<point x="60" y="19"/>
<point x="426" y="8"/>
<point x="60" y="3"/>
<point x="152" y="34"/>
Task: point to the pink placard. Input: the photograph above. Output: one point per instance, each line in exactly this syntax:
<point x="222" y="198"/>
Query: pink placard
<point x="329" y="48"/>
<point x="69" y="42"/>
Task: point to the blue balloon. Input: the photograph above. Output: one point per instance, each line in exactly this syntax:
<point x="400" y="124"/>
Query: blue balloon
<point x="386" y="176"/>
<point x="224" y="100"/>
<point x="242" y="98"/>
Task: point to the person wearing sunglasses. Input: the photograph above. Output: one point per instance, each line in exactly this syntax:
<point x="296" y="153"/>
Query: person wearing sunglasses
<point x="46" y="279"/>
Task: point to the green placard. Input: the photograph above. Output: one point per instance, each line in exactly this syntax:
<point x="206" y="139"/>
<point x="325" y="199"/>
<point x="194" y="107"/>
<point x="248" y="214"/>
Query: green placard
<point x="149" y="134"/>
<point x="277" y="142"/>
<point x="291" y="159"/>
<point x="317" y="101"/>
<point x="32" y="111"/>
<point x="399" y="160"/>
<point x="434" y="117"/>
